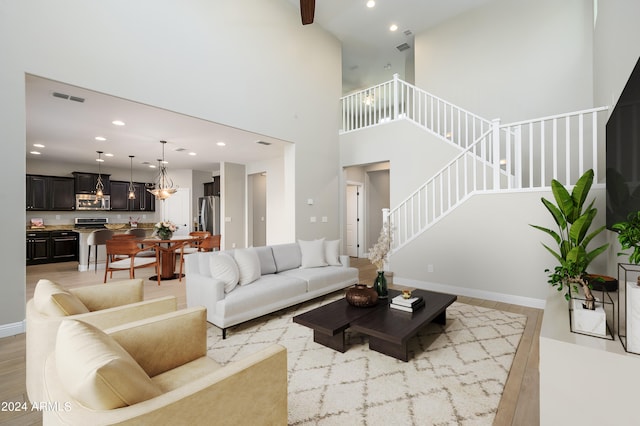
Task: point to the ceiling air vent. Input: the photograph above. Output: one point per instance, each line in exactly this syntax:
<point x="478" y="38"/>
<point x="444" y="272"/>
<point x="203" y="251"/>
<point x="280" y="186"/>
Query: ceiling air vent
<point x="180" y="149"/>
<point x="76" y="99"/>
<point x="402" y="47"/>
<point x="408" y="33"/>
<point x="264" y="143"/>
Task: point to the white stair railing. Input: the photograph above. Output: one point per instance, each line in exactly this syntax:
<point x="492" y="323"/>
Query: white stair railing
<point x="449" y="187"/>
<point x="513" y="157"/>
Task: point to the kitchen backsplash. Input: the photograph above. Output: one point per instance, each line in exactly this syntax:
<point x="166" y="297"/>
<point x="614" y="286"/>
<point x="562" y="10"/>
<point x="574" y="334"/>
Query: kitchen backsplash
<point x="67" y="218"/>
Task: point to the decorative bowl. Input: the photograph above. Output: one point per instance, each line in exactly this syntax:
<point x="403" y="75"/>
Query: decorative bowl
<point x="115" y="225"/>
<point x="361" y="296"/>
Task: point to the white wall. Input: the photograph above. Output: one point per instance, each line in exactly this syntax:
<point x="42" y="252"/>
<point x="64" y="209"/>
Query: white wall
<point x="414" y="154"/>
<point x="233" y="205"/>
<point x="511" y="59"/>
<point x="247" y="64"/>
<point x="485" y="248"/>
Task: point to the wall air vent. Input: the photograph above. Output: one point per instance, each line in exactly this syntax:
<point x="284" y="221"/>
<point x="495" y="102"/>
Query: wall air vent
<point x="264" y="143"/>
<point x="402" y="47"/>
<point x="60" y="95"/>
<point x="67" y="97"/>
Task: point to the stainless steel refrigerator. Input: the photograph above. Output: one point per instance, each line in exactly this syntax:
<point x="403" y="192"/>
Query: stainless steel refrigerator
<point x="209" y="214"/>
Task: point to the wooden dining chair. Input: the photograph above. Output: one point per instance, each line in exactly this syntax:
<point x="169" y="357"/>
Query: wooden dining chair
<point x="210" y="243"/>
<point x="194" y="246"/>
<point x="121" y="255"/>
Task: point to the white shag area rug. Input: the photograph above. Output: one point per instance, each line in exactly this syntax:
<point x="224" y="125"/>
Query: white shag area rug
<point x="455" y="375"/>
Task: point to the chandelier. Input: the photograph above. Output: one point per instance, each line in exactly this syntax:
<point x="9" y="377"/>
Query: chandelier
<point x="132" y="191"/>
<point x="99" y="184"/>
<point x="163" y="185"/>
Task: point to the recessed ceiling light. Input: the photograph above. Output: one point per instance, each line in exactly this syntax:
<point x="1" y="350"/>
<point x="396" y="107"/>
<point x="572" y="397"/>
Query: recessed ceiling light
<point x="117" y="123"/>
<point x="221" y="144"/>
<point x="371" y="3"/>
<point x="393" y="27"/>
<point x="152" y="166"/>
<point x="108" y="154"/>
<point x="100" y="138"/>
<point x="192" y="153"/>
<point x="34" y="153"/>
<point x="38" y="145"/>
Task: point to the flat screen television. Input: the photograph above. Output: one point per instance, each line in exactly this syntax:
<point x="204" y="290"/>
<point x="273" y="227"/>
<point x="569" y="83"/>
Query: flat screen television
<point x="623" y="152"/>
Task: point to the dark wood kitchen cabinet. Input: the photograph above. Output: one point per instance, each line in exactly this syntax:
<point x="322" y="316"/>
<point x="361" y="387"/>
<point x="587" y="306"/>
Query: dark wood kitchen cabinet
<point x="62" y="192"/>
<point x="144" y="201"/>
<point x="52" y="246"/>
<point x="85" y="183"/>
<point x="64" y="246"/>
<point x="38" y="247"/>
<point x="50" y="193"/>
<point x="37" y="192"/>
<point x="119" y="195"/>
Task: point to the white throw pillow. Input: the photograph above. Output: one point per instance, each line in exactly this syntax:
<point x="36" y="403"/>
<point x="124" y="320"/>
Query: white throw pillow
<point x="248" y="265"/>
<point x="312" y="253"/>
<point x="225" y="269"/>
<point x="332" y="252"/>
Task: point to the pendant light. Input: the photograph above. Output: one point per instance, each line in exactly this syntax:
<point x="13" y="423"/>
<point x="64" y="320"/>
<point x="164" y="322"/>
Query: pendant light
<point x="99" y="184"/>
<point x="163" y="185"/>
<point x="132" y="191"/>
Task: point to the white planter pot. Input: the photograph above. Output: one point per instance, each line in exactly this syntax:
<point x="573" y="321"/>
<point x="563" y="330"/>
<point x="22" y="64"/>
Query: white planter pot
<point x="588" y="321"/>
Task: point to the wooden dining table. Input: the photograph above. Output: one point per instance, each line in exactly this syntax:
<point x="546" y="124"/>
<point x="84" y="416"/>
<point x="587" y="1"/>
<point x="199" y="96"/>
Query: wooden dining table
<point x="167" y="253"/>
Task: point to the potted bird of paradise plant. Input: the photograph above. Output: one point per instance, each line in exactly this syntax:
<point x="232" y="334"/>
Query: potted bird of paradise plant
<point x="573" y="219"/>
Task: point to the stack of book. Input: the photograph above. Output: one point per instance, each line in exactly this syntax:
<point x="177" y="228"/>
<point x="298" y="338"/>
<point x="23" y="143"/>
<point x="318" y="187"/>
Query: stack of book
<point x="408" y="305"/>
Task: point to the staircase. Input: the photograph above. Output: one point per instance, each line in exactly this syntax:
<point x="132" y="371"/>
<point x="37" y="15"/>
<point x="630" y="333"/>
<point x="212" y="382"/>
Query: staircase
<point x="493" y="157"/>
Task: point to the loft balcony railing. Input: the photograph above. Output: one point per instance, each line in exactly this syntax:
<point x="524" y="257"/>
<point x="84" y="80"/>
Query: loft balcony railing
<point x="493" y="157"/>
<point x="397" y="99"/>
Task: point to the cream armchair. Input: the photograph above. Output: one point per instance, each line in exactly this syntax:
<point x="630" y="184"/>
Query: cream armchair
<point x="104" y="305"/>
<point x="156" y="371"/>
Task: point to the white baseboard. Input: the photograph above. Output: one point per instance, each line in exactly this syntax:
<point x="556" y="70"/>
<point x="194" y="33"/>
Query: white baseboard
<point x="469" y="292"/>
<point x="7" y="330"/>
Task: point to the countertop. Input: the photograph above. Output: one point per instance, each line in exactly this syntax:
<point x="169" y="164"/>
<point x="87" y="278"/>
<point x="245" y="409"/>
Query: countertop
<point x="71" y="227"/>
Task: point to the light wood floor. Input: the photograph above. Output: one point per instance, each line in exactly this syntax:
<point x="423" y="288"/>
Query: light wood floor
<point x="519" y="404"/>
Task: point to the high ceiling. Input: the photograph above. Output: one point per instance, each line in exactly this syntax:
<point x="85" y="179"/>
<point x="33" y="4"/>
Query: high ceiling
<point x="369" y="49"/>
<point x="369" y="56"/>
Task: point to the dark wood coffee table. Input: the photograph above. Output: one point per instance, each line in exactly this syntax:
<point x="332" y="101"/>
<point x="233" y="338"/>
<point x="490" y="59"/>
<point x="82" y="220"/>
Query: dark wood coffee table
<point x="331" y="320"/>
<point x="389" y="330"/>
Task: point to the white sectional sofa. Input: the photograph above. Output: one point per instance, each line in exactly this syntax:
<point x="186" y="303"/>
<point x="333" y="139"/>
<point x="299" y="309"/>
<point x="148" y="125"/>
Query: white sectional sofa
<point x="242" y="284"/>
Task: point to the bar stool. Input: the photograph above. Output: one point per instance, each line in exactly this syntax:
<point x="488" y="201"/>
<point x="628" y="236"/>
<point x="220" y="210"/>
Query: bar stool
<point x="97" y="238"/>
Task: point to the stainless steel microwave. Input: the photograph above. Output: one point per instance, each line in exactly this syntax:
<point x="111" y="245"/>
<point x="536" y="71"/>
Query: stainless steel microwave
<point x="91" y="202"/>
